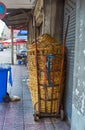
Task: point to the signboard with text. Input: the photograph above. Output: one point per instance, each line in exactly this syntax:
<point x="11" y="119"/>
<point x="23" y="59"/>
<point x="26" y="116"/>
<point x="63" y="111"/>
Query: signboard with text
<point x="2" y="10"/>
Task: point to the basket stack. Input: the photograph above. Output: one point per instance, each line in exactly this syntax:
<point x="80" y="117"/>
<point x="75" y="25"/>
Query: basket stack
<point x="45" y="92"/>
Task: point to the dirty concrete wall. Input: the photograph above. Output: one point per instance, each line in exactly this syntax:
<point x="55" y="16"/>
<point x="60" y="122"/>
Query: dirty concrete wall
<point x="53" y="18"/>
<point x="78" y="104"/>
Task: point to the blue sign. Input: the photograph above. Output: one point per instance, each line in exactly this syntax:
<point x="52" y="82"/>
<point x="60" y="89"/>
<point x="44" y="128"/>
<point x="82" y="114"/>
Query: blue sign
<point x="2" y="10"/>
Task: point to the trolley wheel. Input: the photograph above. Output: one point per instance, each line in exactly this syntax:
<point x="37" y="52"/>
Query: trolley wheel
<point x="36" y="117"/>
<point x="62" y="114"/>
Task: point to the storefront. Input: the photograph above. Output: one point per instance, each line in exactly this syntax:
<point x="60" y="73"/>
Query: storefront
<point x="69" y="10"/>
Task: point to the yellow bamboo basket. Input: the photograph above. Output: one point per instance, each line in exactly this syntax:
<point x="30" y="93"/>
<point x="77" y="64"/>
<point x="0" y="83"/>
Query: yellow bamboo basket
<point x="50" y="97"/>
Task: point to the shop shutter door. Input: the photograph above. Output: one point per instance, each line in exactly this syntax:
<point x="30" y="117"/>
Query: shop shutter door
<point x="69" y="9"/>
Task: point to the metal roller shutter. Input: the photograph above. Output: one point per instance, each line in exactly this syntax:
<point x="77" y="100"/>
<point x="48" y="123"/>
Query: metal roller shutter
<point x="69" y="9"/>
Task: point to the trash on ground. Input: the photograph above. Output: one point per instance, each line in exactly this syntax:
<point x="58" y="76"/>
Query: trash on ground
<point x="15" y="98"/>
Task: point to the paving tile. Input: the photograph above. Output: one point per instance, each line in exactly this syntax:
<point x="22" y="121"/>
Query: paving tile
<point x="13" y="119"/>
<point x="35" y="127"/>
<point x="2" y="120"/>
<point x="1" y="127"/>
<point x="13" y="126"/>
<point x="27" y="97"/>
<point x="2" y="112"/>
<point x="29" y="119"/>
<point x="28" y="110"/>
<point x="27" y="103"/>
<point x="17" y="104"/>
<point x="3" y="105"/>
<point x="49" y="126"/>
<point x="47" y="120"/>
<point x="19" y="115"/>
<point x="26" y="93"/>
<point x="13" y="111"/>
<point x="61" y="125"/>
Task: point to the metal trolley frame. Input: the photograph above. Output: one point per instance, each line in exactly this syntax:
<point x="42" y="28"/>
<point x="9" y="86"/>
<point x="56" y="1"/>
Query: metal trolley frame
<point x="51" y="59"/>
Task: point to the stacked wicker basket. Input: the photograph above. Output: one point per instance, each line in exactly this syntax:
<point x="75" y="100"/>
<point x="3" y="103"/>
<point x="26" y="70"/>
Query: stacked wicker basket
<point x="47" y="97"/>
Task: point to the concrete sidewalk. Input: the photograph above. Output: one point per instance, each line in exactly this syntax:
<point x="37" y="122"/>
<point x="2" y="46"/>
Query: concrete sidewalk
<point x="19" y="115"/>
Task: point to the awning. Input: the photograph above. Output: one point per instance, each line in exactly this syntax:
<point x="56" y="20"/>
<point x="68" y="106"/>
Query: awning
<point x="19" y="13"/>
<point x="15" y="41"/>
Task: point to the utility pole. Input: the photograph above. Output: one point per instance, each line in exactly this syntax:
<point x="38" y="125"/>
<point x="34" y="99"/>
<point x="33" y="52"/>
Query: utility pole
<point x="12" y="47"/>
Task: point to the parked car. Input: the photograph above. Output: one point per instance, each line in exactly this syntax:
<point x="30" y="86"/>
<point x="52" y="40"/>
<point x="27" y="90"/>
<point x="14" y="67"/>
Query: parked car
<point x="22" y="53"/>
<point x="1" y="47"/>
<point x="6" y="46"/>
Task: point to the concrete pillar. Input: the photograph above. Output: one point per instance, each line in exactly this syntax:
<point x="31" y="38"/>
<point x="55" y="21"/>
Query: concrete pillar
<point x="31" y="30"/>
<point x="12" y="47"/>
<point x="47" y="16"/>
<point x="78" y="104"/>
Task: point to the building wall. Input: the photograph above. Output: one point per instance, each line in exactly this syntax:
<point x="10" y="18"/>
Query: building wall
<point x="53" y="18"/>
<point x="69" y="10"/>
<point x="78" y="104"/>
<point x="50" y="16"/>
<point x="38" y="14"/>
<point x="6" y="32"/>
